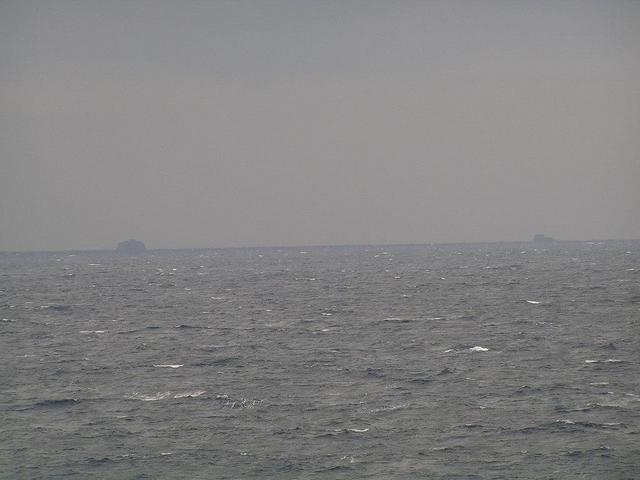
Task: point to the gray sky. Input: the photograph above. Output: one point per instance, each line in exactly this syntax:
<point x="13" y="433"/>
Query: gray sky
<point x="207" y="124"/>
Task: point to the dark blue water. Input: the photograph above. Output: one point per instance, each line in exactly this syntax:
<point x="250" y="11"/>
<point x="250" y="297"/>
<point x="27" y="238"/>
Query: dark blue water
<point x="464" y="361"/>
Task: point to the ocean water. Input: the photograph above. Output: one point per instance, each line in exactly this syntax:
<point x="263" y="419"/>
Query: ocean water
<point x="476" y="361"/>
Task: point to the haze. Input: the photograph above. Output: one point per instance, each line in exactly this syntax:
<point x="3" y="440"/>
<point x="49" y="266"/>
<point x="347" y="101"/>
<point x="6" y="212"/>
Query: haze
<point x="210" y="124"/>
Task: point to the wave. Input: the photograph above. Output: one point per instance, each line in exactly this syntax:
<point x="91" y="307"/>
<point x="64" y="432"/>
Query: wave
<point x="241" y="403"/>
<point x="149" y="397"/>
<point x="602" y="451"/>
<point x="603" y="425"/>
<point x="60" y="308"/>
<point x="343" y="431"/>
<point x="421" y="380"/>
<point x="608" y="360"/>
<point x="216" y="362"/>
<point x="478" y="349"/>
<point x="51" y="403"/>
<point x="99" y="461"/>
<point x="389" y="408"/>
<point x="135" y="330"/>
<point x="153" y="397"/>
<point x="399" y="320"/>
<point x="333" y="468"/>
<point x="448" y="448"/>
<point x="570" y="426"/>
<point x="375" y="372"/>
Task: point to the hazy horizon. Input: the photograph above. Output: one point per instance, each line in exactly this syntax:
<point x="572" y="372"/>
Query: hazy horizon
<point x="283" y="123"/>
<point x="556" y="241"/>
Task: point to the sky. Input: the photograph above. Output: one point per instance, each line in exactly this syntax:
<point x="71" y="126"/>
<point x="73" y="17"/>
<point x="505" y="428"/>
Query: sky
<point x="254" y="123"/>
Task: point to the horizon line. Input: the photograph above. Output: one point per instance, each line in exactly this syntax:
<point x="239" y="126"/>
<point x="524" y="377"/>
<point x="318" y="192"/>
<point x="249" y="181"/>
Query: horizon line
<point x="410" y="244"/>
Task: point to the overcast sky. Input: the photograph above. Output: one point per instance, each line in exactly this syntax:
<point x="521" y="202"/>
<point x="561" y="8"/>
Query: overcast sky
<point x="246" y="123"/>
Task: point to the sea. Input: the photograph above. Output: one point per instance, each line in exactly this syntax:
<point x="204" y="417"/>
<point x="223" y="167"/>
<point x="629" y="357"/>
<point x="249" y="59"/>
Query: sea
<point x="459" y="361"/>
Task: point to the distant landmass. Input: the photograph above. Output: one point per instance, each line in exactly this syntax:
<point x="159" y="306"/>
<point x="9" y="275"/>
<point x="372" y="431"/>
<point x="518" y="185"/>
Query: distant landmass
<point x="540" y="238"/>
<point x="131" y="247"/>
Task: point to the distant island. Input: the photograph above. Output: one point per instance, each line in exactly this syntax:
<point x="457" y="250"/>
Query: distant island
<point x="131" y="247"/>
<point x="540" y="238"/>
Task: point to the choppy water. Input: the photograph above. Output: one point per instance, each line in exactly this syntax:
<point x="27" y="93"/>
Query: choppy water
<point x="462" y="361"/>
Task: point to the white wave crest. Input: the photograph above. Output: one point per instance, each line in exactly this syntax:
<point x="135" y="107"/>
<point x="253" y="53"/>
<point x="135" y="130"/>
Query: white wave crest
<point x="479" y="349"/>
